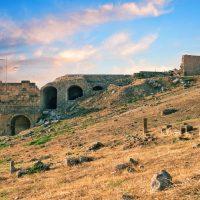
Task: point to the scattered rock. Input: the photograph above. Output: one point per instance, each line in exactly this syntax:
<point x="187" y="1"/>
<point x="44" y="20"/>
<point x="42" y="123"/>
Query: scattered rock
<point x="83" y="159"/>
<point x="168" y="111"/>
<point x="38" y="167"/>
<point x="127" y="166"/>
<point x="72" y="161"/>
<point x="161" y="181"/>
<point x="20" y="173"/>
<point x="96" y="146"/>
<point x="127" y="197"/>
<point x="121" y="167"/>
<point x="76" y="161"/>
<point x="134" y="162"/>
<point x="12" y="167"/>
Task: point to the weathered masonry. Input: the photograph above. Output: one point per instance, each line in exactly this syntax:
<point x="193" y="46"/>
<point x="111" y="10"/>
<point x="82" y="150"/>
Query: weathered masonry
<point x="22" y="103"/>
<point x="19" y="107"/>
<point x="190" y="65"/>
<point x="64" y="91"/>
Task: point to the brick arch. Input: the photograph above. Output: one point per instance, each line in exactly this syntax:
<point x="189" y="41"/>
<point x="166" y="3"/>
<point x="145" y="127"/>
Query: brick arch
<point x="49" y="97"/>
<point x="74" y="92"/>
<point x="18" y="123"/>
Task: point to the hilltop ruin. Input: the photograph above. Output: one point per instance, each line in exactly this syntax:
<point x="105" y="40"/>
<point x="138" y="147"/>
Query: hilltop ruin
<point x="22" y="103"/>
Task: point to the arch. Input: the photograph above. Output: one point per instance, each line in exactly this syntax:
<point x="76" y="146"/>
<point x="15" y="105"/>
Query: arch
<point x="19" y="123"/>
<point x="97" y="88"/>
<point x="50" y="97"/>
<point x="74" y="92"/>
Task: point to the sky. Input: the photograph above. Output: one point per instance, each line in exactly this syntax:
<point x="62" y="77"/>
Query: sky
<point x="45" y="39"/>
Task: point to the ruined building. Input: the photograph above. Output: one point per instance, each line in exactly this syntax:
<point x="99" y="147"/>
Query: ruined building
<point x="22" y="103"/>
<point x="19" y="106"/>
<point x="190" y="65"/>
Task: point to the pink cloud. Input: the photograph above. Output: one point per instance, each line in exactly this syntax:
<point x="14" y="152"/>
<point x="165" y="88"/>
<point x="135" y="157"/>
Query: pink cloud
<point x="55" y="28"/>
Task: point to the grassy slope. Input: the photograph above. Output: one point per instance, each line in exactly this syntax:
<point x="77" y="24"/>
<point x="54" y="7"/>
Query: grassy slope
<point x="96" y="180"/>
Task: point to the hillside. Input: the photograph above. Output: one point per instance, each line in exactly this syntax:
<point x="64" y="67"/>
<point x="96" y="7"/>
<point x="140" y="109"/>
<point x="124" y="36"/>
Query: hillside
<point x="113" y="117"/>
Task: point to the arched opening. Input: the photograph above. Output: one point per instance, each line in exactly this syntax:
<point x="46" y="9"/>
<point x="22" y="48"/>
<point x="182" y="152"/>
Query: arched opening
<point x="74" y="92"/>
<point x="97" y="88"/>
<point x="19" y="123"/>
<point x="50" y="97"/>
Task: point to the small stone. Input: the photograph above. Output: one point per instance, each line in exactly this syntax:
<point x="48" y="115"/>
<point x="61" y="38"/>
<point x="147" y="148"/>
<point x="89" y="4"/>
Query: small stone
<point x="127" y="197"/>
<point x="72" y="161"/>
<point x="168" y="111"/>
<point x="85" y="159"/>
<point x="161" y="181"/>
<point x="131" y="170"/>
<point x="12" y="167"/>
<point x="20" y="173"/>
<point x="96" y="146"/>
<point x="121" y="167"/>
<point x="133" y="162"/>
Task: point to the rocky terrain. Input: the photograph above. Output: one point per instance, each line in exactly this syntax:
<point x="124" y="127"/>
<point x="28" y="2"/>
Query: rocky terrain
<point x="101" y="152"/>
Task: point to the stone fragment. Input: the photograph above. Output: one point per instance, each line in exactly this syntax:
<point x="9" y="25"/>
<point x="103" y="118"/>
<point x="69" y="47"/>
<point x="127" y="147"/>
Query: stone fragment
<point x="83" y="159"/>
<point x="127" y="197"/>
<point x="121" y="167"/>
<point x="161" y="181"/>
<point x="134" y="162"/>
<point x="96" y="146"/>
<point x="20" y="173"/>
<point x="72" y="161"/>
<point x="168" y="111"/>
<point x="12" y="167"/>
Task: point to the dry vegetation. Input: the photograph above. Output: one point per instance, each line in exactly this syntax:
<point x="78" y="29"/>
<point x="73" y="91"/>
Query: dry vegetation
<point x="116" y="126"/>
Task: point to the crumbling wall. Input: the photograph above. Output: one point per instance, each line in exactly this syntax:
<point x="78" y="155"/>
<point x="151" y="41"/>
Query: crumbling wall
<point x="88" y="84"/>
<point x="18" y="99"/>
<point x="190" y="65"/>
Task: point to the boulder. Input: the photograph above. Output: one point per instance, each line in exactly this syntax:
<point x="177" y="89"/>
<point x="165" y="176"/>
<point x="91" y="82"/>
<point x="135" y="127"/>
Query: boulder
<point x="96" y="146"/>
<point x="161" y="181"/>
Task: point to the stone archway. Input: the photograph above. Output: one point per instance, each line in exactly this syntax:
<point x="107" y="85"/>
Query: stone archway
<point x="50" y="97"/>
<point x="75" y="92"/>
<point x="19" y="123"/>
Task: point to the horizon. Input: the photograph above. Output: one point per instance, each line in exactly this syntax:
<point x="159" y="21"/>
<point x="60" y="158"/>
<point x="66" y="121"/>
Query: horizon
<point x="45" y="40"/>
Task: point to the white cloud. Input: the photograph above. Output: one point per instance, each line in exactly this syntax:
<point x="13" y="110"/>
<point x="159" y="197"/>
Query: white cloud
<point x="77" y="55"/>
<point x="121" y="44"/>
<point x="54" y="28"/>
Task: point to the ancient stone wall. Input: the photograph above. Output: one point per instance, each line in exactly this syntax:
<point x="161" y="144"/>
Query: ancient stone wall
<point x="190" y="65"/>
<point x="19" y="104"/>
<point x="87" y="83"/>
<point x="22" y="103"/>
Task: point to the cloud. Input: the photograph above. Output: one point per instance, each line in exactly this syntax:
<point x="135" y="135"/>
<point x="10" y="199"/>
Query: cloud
<point x="122" y="45"/>
<point x="77" y="55"/>
<point x="134" y="66"/>
<point x="55" y="28"/>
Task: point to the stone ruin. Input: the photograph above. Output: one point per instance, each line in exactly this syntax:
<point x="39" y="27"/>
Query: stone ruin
<point x="21" y="104"/>
<point x="190" y="65"/>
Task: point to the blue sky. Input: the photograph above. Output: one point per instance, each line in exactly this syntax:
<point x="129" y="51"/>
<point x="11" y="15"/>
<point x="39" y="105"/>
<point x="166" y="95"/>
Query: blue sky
<point x="44" y="39"/>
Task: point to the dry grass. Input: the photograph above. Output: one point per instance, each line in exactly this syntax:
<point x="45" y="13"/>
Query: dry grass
<point x="96" y="180"/>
